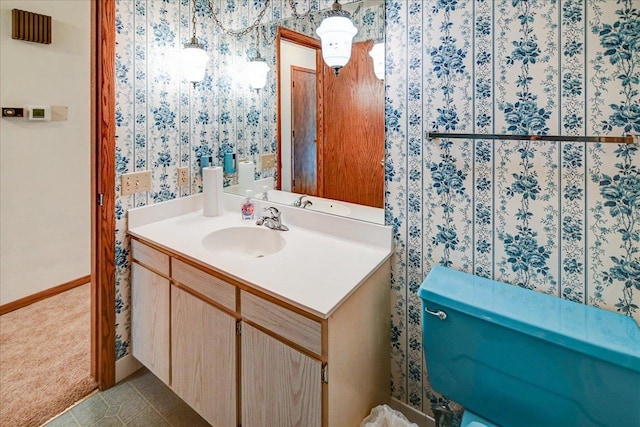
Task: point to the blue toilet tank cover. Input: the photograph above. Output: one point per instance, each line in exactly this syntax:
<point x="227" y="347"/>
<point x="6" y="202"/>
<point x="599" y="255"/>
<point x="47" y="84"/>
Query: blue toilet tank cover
<point x="600" y="333"/>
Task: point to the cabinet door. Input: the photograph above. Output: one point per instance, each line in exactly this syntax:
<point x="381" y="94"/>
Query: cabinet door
<point x="280" y="386"/>
<point x="203" y="358"/>
<point x="150" y="320"/>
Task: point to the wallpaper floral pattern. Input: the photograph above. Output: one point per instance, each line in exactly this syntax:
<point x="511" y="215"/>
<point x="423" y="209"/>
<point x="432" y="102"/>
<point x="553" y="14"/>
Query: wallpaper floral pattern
<point x="558" y="217"/>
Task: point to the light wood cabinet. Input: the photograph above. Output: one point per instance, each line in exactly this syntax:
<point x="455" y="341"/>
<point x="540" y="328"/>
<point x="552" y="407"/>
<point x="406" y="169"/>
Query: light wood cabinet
<point x="203" y="358"/>
<point x="150" y="320"/>
<point x="207" y="286"/>
<point x="283" y="322"/>
<point x="280" y="385"/>
<point x="282" y="366"/>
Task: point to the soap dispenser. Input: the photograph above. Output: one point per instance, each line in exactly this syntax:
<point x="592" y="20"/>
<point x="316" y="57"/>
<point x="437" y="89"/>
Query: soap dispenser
<point x="248" y="207"/>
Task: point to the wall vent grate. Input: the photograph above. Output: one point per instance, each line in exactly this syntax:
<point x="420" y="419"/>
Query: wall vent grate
<point x="31" y="27"/>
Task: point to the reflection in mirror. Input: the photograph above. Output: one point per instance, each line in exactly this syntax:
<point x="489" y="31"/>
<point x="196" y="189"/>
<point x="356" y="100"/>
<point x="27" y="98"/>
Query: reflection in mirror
<point x="331" y="126"/>
<point x="341" y="163"/>
<point x="298" y="60"/>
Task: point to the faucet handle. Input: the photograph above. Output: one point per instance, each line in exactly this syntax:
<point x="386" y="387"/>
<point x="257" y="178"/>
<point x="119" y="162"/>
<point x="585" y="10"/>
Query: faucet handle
<point x="273" y="222"/>
<point x="273" y="210"/>
<point x="298" y="201"/>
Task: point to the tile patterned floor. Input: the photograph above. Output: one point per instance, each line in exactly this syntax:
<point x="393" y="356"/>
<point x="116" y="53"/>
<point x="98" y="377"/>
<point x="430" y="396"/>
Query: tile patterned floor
<point x="140" y="400"/>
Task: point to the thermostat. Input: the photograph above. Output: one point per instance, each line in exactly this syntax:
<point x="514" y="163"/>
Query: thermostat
<point x="12" y="112"/>
<point x="38" y="113"/>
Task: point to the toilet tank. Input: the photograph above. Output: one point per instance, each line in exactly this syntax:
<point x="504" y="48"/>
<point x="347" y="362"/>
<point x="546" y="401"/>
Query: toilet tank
<point x="522" y="358"/>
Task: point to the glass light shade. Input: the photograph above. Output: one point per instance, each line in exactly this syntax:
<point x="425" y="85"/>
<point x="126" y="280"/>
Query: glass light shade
<point x="193" y="61"/>
<point x="377" y="54"/>
<point x="256" y="73"/>
<point x="336" y="34"/>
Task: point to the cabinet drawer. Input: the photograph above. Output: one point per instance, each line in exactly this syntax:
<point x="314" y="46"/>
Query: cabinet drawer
<point x="150" y="257"/>
<point x="205" y="284"/>
<point x="282" y="321"/>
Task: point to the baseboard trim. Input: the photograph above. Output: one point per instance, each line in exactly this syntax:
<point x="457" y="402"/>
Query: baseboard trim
<point x="126" y="366"/>
<point x="28" y="300"/>
<point x="412" y="414"/>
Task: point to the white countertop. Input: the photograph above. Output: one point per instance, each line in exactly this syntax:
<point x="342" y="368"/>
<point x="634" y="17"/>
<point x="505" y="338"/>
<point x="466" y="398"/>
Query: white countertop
<point x="314" y="271"/>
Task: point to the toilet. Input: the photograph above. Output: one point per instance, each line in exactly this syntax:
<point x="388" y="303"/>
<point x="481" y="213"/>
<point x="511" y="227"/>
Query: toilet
<point x="519" y="358"/>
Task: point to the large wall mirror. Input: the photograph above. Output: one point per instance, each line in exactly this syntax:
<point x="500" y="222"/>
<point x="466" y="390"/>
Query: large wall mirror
<point x="329" y="129"/>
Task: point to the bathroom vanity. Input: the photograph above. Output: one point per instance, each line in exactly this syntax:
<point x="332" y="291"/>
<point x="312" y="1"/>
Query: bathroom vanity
<point x="252" y="334"/>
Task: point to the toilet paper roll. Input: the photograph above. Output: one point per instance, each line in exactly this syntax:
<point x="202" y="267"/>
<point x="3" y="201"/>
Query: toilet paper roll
<point x="212" y="180"/>
<point x="246" y="173"/>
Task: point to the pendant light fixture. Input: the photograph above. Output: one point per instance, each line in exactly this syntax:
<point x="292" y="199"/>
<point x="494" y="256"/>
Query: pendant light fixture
<point x="336" y="34"/>
<point x="257" y="68"/>
<point x="377" y="54"/>
<point x="193" y="56"/>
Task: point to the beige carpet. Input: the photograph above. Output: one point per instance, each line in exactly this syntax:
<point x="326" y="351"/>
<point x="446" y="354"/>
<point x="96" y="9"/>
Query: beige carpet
<point x="45" y="359"/>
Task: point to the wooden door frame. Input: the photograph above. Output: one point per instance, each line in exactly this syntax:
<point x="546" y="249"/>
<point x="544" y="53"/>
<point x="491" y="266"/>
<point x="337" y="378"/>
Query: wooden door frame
<point x="103" y="316"/>
<point x="310" y="42"/>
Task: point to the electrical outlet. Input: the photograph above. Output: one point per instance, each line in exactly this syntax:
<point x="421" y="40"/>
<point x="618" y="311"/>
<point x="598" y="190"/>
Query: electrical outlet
<point x="135" y="182"/>
<point x="183" y="176"/>
<point x="268" y="161"/>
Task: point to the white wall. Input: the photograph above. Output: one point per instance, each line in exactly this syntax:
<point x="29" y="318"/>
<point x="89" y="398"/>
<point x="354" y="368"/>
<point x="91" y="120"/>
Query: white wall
<point x="45" y="167"/>
<point x="301" y="56"/>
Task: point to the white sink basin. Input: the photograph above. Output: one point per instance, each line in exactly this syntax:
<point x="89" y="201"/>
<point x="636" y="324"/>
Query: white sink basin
<point x="249" y="242"/>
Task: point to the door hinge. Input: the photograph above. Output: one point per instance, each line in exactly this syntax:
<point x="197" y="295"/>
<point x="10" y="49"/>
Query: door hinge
<point x="324" y="373"/>
<point x="100" y="199"/>
<point x="238" y="327"/>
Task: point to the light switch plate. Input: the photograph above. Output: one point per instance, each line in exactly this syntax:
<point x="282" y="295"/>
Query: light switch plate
<point x="268" y="161"/>
<point x="135" y="182"/>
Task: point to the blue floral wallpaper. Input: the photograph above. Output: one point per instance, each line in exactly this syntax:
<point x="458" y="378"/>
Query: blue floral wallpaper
<point x="557" y="217"/>
<point x="560" y="218"/>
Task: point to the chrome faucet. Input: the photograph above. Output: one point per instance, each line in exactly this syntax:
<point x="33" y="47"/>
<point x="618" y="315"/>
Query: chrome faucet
<point x="299" y="203"/>
<point x="272" y="220"/>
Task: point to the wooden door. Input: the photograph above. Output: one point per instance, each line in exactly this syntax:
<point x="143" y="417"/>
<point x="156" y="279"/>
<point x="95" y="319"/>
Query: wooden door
<point x="354" y="131"/>
<point x="303" y="131"/>
<point x="280" y="386"/>
<point x="203" y="358"/>
<point x="150" y="320"/>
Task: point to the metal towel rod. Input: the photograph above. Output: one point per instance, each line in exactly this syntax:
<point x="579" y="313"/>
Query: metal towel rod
<point x="627" y="139"/>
